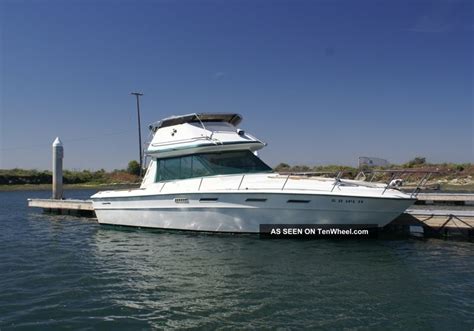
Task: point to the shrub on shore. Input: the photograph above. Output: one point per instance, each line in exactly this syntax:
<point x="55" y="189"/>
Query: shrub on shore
<point x="445" y="171"/>
<point x="23" y="176"/>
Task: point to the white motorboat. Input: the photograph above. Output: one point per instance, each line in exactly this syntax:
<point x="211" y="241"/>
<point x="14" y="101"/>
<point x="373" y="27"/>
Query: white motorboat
<point x="204" y="175"/>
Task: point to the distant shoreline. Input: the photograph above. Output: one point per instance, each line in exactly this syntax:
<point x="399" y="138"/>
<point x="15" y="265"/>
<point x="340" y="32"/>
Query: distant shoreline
<point x="84" y="186"/>
<point x="467" y="188"/>
<point x="449" y="177"/>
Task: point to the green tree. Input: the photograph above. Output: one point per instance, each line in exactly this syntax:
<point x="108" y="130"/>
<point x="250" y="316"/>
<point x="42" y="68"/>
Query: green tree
<point x="417" y="161"/>
<point x="133" y="168"/>
<point x="282" y="167"/>
<point x="301" y="168"/>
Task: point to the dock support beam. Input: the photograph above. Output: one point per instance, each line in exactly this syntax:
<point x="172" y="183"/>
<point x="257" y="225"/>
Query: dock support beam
<point x="58" y="154"/>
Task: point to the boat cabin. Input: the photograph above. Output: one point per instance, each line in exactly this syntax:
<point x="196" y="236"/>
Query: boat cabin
<point x="197" y="145"/>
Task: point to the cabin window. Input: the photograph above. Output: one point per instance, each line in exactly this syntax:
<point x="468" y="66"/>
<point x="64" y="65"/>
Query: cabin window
<point x="209" y="164"/>
<point x="170" y="169"/>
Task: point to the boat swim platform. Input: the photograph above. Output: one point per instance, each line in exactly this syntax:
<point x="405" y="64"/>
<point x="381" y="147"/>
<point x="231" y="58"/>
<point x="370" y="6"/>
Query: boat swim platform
<point x="434" y="222"/>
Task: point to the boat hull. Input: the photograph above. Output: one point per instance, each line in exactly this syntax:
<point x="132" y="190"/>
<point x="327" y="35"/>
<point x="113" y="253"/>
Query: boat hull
<point x="245" y="213"/>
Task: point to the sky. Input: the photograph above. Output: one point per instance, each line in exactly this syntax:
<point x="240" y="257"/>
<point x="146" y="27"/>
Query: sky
<point x="322" y="82"/>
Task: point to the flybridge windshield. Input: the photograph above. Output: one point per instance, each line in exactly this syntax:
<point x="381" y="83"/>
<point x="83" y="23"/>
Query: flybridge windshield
<point x="209" y="164"/>
<point x="215" y="126"/>
<point x="233" y="119"/>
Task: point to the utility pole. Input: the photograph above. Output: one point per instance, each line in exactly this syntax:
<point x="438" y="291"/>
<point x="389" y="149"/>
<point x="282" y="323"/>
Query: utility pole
<point x="138" y="95"/>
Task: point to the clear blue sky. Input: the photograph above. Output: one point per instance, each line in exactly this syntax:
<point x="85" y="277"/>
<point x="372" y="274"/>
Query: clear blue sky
<point x="320" y="81"/>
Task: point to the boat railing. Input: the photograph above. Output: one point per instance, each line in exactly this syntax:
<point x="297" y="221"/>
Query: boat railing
<point x="398" y="176"/>
<point x="395" y="179"/>
<point x="310" y="174"/>
<point x="337" y="180"/>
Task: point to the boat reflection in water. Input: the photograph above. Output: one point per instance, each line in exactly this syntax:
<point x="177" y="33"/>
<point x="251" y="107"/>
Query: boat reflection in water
<point x="169" y="279"/>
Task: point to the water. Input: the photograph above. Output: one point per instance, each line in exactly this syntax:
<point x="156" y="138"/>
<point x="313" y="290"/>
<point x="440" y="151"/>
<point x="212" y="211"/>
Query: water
<point x="62" y="271"/>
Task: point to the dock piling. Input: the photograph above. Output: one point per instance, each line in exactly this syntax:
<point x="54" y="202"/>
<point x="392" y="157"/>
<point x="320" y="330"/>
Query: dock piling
<point x="58" y="154"/>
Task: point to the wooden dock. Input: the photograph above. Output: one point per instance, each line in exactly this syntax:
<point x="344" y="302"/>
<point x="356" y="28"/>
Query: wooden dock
<point x="437" y="223"/>
<point x="64" y="207"/>
<point x="446" y="198"/>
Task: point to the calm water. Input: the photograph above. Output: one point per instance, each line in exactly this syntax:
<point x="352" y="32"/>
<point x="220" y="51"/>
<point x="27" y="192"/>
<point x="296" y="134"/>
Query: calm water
<point x="61" y="271"/>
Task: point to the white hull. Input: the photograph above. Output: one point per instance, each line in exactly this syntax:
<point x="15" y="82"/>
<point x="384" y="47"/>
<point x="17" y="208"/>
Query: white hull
<point x="204" y="176"/>
<point x="233" y="212"/>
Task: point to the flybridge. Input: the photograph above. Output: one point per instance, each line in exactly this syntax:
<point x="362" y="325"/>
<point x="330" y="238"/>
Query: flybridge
<point x="231" y="118"/>
<point x="200" y="133"/>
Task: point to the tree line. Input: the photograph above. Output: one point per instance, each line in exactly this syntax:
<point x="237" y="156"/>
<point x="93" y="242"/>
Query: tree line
<point x="22" y="176"/>
<point x="131" y="173"/>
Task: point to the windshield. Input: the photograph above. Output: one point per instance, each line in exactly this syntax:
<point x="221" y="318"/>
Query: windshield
<point x="209" y="164"/>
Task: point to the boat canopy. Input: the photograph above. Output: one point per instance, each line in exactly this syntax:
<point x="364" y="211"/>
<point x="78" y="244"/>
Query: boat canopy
<point x="231" y="118"/>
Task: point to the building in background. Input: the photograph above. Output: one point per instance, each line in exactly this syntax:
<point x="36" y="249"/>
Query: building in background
<point x="372" y="162"/>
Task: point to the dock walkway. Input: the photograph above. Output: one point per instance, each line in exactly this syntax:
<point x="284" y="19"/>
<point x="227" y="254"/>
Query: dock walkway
<point x="456" y="198"/>
<point x="64" y="207"/>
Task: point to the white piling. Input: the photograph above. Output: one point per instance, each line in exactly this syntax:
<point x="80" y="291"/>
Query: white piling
<point x="58" y="154"/>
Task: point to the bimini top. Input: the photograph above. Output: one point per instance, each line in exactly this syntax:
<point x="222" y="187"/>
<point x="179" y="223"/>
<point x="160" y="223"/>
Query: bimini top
<point x="231" y="118"/>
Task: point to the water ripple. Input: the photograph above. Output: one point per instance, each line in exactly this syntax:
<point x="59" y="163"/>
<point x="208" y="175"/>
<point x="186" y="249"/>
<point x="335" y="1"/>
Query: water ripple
<point x="61" y="271"/>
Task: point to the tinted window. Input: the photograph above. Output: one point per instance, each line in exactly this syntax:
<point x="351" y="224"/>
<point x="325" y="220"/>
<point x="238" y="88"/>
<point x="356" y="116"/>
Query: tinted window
<point x="208" y="164"/>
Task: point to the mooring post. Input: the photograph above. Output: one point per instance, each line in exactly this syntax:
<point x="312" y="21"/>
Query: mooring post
<point x="58" y="154"/>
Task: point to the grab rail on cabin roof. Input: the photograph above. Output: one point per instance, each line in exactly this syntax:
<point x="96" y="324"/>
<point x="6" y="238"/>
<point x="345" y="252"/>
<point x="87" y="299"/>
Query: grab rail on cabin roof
<point x="214" y="140"/>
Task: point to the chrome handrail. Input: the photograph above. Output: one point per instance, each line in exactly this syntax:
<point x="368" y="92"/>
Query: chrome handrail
<point x="337" y="180"/>
<point x="401" y="172"/>
<point x="161" y="189"/>
<point x="241" y="180"/>
<point x="424" y="180"/>
<point x="388" y="184"/>
<point x="284" y="184"/>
